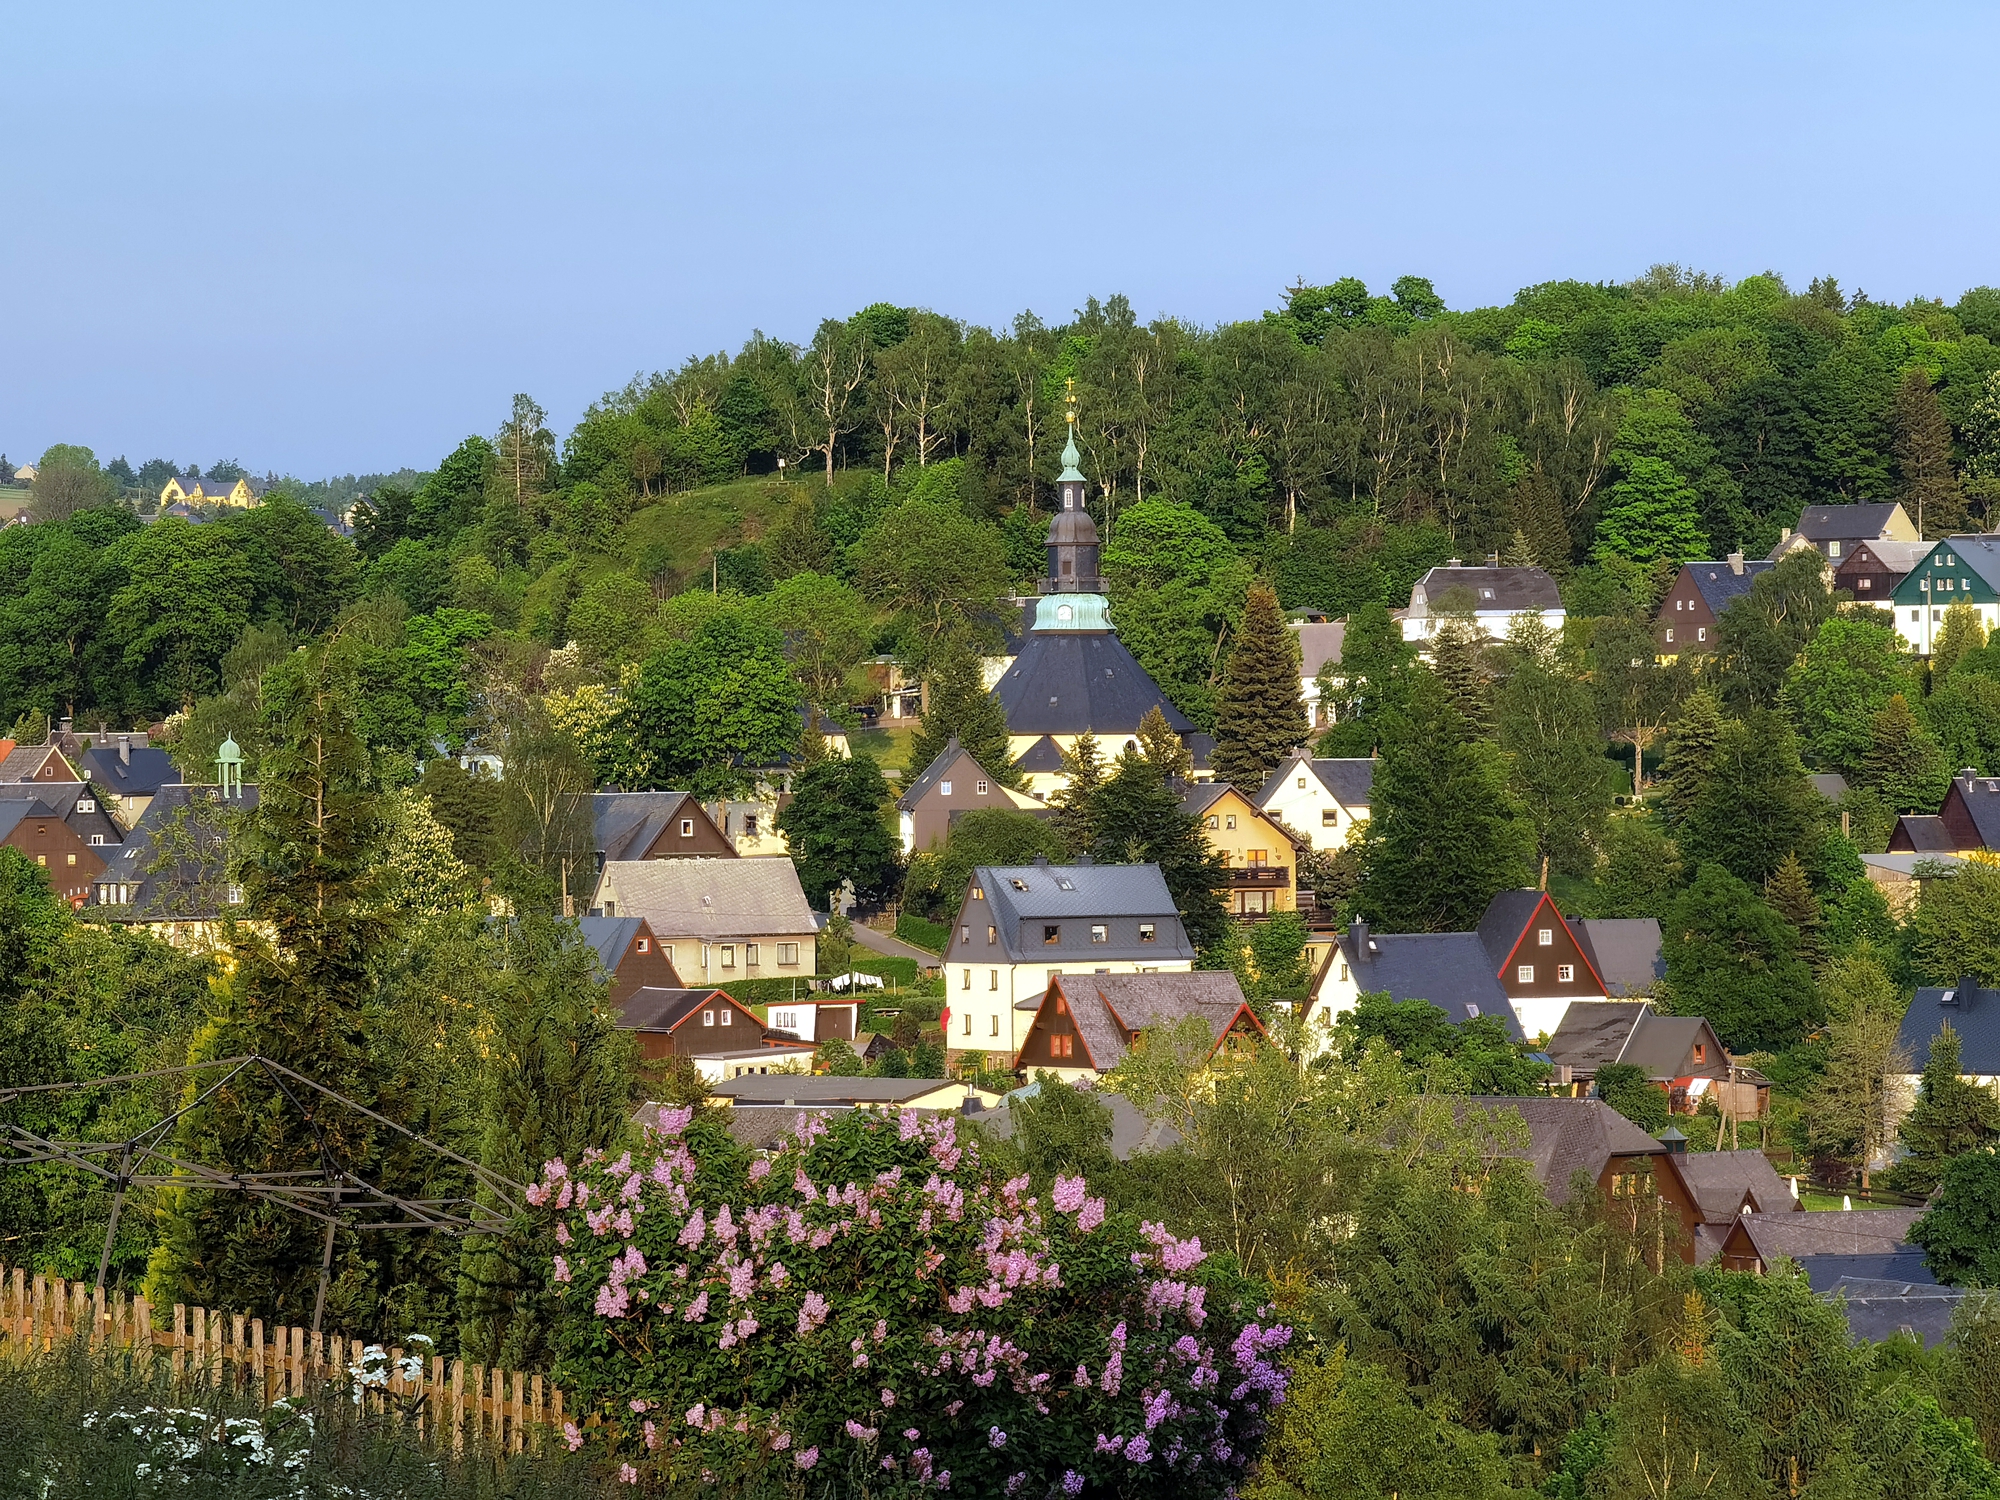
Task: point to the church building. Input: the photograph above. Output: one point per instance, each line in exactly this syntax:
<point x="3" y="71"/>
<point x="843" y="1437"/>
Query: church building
<point x="1073" y="675"/>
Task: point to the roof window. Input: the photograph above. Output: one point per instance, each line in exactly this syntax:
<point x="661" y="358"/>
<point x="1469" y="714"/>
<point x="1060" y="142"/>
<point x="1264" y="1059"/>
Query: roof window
<point x="1018" y="883"/>
<point x="1063" y="882"/>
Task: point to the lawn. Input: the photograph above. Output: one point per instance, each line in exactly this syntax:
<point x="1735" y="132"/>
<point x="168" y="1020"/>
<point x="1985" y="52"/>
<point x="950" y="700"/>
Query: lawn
<point x="889" y="745"/>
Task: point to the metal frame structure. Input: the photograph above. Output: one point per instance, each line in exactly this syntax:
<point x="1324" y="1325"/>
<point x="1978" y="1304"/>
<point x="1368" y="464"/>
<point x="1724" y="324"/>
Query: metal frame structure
<point x="333" y="1193"/>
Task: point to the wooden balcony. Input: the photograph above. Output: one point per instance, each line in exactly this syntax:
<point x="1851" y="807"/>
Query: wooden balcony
<point x="1271" y="877"/>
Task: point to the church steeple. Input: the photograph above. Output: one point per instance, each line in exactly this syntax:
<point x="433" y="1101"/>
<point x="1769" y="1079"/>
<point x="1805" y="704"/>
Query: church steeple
<point x="1072" y="534"/>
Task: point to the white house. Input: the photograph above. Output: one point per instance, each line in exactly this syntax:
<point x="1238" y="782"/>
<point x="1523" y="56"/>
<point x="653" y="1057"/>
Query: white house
<point x="1492" y="597"/>
<point x="717" y="920"/>
<point x="1323" y="800"/>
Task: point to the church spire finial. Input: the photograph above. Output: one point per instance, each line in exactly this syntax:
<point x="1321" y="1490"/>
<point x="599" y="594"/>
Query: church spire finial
<point x="1070" y="457"/>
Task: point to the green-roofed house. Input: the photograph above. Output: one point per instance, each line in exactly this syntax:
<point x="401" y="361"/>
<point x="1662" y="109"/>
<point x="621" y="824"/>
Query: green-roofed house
<point x="1958" y="569"/>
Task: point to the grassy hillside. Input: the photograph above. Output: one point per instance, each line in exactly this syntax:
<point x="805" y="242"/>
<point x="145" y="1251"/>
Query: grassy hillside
<point x="695" y="524"/>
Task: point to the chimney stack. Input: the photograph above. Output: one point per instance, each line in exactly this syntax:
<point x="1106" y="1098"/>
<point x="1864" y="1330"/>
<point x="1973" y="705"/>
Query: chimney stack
<point x="125" y="749"/>
<point x="1736" y="563"/>
<point x="1784" y="536"/>
<point x="1357" y="938"/>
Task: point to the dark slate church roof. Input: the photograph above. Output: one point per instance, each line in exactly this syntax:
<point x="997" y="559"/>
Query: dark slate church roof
<point x="1077" y="682"/>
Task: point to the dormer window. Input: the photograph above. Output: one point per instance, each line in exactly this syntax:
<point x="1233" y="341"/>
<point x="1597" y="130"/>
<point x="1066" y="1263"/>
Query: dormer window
<point x="1051" y="933"/>
<point x="1833" y="549"/>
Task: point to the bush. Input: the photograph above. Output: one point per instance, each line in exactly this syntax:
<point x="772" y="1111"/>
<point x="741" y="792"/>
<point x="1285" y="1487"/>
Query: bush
<point x="1625" y="1087"/>
<point x="871" y="1306"/>
<point x="80" y="1421"/>
<point x="932" y="937"/>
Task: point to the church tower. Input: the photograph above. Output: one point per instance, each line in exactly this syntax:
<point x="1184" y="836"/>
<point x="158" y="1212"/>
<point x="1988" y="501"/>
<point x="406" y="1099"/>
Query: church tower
<point x="1072" y="534"/>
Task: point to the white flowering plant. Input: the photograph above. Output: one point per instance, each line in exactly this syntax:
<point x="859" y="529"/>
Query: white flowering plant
<point x="872" y="1299"/>
<point x="185" y="1447"/>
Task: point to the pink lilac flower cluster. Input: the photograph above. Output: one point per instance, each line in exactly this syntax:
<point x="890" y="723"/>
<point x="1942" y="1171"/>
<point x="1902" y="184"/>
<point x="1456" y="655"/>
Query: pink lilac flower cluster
<point x="688" y="1273"/>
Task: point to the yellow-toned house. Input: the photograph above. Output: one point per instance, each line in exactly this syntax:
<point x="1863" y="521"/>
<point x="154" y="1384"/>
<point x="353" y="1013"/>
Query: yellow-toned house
<point x="1261" y="853"/>
<point x="209" y="492"/>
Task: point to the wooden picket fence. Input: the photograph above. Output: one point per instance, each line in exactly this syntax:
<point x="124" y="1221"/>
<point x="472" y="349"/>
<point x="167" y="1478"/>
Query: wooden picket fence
<point x="227" y="1350"/>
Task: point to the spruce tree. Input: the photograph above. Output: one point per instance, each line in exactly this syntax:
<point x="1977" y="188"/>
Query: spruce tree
<point x="1788" y="892"/>
<point x="1905" y="765"/>
<point x="1446" y="835"/>
<point x="1691" y="751"/>
<point x="1371" y="674"/>
<point x="560" y="1074"/>
<point x="1138" y="820"/>
<point x="959" y="704"/>
<point x="1165" y="749"/>
<point x="1260" y="713"/>
<point x="1931" y="493"/>
<point x="302" y="974"/>
<point x="1075" y="805"/>
<point x="1537" y="514"/>
<point x="1950" y="1118"/>
<point x="1458" y="663"/>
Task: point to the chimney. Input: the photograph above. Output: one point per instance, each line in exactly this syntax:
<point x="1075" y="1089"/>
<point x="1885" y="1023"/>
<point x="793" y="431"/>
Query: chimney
<point x="1357" y="938"/>
<point x="1673" y="1140"/>
<point x="1784" y="536"/>
<point x="1736" y="563"/>
<point x="1082" y="859"/>
<point x="1492" y="559"/>
<point x="1041" y="859"/>
<point x="125" y="749"/>
<point x="1454" y="562"/>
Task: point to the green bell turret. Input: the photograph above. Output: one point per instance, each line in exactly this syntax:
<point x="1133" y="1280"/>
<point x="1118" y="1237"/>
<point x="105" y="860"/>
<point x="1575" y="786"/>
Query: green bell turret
<point x="229" y="768"/>
<point x="1072" y="534"/>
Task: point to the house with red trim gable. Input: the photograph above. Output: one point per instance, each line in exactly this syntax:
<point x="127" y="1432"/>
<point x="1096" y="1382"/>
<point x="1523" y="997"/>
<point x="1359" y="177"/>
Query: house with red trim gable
<point x="1086" y="1024"/>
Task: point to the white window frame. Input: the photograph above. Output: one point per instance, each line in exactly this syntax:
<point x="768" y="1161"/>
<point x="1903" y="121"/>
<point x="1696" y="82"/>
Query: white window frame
<point x="1524" y="973"/>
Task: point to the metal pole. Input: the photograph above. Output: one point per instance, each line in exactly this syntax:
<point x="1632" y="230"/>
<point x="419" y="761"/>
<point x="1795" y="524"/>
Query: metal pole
<point x="117" y="1206"/>
<point x="325" y="1263"/>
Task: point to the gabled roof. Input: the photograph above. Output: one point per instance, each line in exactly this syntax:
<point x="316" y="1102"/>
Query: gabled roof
<point x="1972" y="1011"/>
<point x="1509" y="590"/>
<point x="1109" y="1009"/>
<point x="1859" y="1231"/>
<point x="1720" y="1181"/>
<point x="1448" y="969"/>
<point x="1199" y="797"/>
<point x="1720" y="585"/>
<point x="14" y="811"/>
<point x="1981" y="796"/>
<point x="1074" y="896"/>
<point x="1979" y="552"/>
<point x="1829" y="784"/>
<point x="24" y="762"/>
<point x="1625" y="951"/>
<point x="1320" y="642"/>
<point x="1845" y="523"/>
<point x="624" y="825"/>
<point x="720" y="898"/>
<point x="1593" y="1035"/>
<point x="1044" y="755"/>
<point x="142" y="775"/>
<point x="1568" y="1136"/>
<point x="949" y="758"/>
<point x="818" y="1091"/>
<point x="656" y="1008"/>
<point x="1925" y="833"/>
<point x="1897" y="557"/>
<point x="610" y="937"/>
<point x="1078" y="681"/>
<point x="1350" y="781"/>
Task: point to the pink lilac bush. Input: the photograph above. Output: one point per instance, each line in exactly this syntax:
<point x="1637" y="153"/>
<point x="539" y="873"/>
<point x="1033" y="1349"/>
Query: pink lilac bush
<point x="871" y="1306"/>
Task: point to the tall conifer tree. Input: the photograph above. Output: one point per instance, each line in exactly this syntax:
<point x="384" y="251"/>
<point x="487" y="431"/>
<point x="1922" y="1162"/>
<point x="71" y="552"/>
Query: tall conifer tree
<point x="1691" y="751"/>
<point x="1931" y="493"/>
<point x="959" y="704"/>
<point x="1950" y="1118"/>
<point x="1260" y="714"/>
<point x="1905" y="765"/>
<point x="1075" y="805"/>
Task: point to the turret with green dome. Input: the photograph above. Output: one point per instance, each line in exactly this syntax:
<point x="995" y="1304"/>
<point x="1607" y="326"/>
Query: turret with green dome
<point x="1072" y="534"/>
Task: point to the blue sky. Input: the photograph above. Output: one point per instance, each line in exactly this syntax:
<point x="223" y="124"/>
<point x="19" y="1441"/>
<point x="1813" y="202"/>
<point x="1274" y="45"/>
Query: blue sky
<point x="338" y="238"/>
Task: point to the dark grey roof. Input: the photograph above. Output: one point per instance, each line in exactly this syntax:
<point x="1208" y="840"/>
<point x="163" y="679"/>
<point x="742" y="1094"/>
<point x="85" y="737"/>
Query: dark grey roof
<point x="1829" y="784"/>
<point x="141" y="776"/>
<point x="1592" y="1035"/>
<point x="610" y="936"/>
<point x="1202" y="795"/>
<point x="189" y="885"/>
<point x="1072" y="898"/>
<point x="1106" y="1008"/>
<point x="1720" y="585"/>
<point x="16" y="810"/>
<point x="1974" y="1013"/>
<point x="1510" y="589"/>
<point x="1720" y="1179"/>
<point x="817" y="1090"/>
<point x="1881" y="1306"/>
<point x="1661" y="1044"/>
<point x="1845" y="523"/>
<point x="1926" y="833"/>
<point x="624" y="825"/>
<point x="1448" y="969"/>
<point x="1981" y="795"/>
<point x="1044" y="755"/>
<point x="1625" y="951"/>
<point x="656" y="1008"/>
<point x="1506" y="918"/>
<point x="1567" y="1136"/>
<point x="1077" y="681"/>
<point x="1860" y="1231"/>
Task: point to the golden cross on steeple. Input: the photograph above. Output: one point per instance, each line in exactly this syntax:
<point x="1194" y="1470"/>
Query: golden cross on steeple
<point x="1069" y="398"/>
